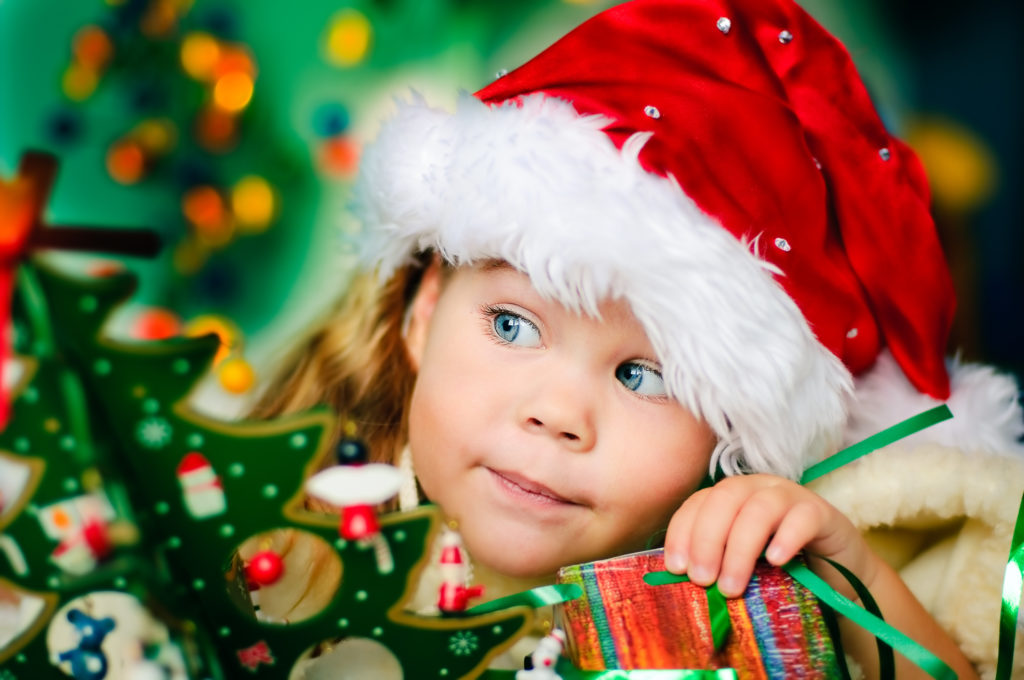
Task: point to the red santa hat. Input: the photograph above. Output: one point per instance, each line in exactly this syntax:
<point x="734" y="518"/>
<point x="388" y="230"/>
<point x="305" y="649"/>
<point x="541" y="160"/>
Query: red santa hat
<point x="719" y="165"/>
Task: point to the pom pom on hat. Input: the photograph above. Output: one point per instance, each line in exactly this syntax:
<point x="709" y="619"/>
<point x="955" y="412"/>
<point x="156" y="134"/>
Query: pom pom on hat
<point x="719" y="165"/>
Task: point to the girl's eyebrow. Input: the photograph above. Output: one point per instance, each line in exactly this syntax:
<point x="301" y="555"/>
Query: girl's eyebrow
<point x="495" y="263"/>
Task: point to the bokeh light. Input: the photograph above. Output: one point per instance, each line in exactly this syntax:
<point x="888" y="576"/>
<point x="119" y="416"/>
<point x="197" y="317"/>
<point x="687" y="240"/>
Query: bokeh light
<point x="339" y="156"/>
<point x="79" y="81"/>
<point x="203" y="207"/>
<point x="200" y="53"/>
<point x="157" y="136"/>
<point x="236" y="375"/>
<point x="253" y="203"/>
<point x="126" y="161"/>
<point x="348" y="38"/>
<point x="233" y="91"/>
<point x="92" y="47"/>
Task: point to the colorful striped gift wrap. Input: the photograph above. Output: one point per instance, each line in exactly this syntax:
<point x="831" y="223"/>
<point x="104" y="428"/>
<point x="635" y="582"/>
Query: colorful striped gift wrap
<point x="777" y="631"/>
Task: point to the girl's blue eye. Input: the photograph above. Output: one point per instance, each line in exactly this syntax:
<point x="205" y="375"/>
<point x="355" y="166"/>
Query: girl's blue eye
<point x="515" y="330"/>
<point x="641" y="379"/>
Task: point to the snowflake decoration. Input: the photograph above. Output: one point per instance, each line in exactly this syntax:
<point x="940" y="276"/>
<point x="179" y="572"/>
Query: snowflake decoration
<point x="463" y="643"/>
<point x="153" y="433"/>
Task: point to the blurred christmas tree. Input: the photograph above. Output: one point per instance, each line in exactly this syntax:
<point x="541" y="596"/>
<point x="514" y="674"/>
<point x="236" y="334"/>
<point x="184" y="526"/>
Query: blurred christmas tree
<point x="122" y="512"/>
<point x="233" y="130"/>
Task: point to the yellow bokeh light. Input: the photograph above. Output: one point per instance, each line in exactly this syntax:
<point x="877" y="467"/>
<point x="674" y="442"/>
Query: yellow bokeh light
<point x="233" y="91"/>
<point x="253" y="203"/>
<point x="348" y="38"/>
<point x="200" y="53"/>
<point x="79" y="82"/>
<point x="962" y="170"/>
<point x="236" y="375"/>
<point x="156" y="135"/>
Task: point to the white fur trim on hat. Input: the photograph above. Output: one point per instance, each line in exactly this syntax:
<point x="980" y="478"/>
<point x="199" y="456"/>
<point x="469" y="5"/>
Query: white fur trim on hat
<point x="987" y="416"/>
<point x="543" y="188"/>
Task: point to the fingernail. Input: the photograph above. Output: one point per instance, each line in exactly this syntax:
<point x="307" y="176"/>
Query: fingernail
<point x="729" y="586"/>
<point x="675" y="562"/>
<point x="773" y="554"/>
<point x="700" y="574"/>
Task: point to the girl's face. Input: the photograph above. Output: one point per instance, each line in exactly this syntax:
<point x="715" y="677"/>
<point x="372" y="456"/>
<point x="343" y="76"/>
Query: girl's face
<point x="545" y="434"/>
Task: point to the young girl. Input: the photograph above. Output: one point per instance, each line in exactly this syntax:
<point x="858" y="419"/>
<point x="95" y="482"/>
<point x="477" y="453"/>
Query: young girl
<point x="679" y="241"/>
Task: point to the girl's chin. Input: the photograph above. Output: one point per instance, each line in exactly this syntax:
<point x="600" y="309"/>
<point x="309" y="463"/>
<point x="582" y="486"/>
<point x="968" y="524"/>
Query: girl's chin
<point x="523" y="563"/>
<point x="527" y="562"/>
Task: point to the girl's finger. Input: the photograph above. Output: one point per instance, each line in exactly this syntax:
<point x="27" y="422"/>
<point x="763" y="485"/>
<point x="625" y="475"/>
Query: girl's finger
<point x="800" y="526"/>
<point x="680" y="528"/>
<point x="758" y="518"/>
<point x="712" y="524"/>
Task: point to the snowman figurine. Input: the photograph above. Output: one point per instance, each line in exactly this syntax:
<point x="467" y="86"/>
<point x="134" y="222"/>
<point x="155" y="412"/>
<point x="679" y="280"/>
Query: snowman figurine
<point x="545" y="657"/>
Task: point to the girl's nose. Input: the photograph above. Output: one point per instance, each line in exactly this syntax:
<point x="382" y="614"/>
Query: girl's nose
<point x="563" y="414"/>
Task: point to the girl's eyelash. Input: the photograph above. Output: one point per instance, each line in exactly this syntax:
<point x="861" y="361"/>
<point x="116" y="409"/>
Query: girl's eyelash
<point x="490" y="312"/>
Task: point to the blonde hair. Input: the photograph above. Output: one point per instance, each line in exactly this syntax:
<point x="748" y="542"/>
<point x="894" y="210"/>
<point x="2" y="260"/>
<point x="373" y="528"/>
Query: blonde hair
<point x="357" y="364"/>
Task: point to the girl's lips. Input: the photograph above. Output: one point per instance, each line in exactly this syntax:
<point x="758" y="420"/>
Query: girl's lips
<point x="528" y="489"/>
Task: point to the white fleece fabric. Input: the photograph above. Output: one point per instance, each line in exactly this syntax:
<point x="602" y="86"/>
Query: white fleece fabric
<point x="943" y="517"/>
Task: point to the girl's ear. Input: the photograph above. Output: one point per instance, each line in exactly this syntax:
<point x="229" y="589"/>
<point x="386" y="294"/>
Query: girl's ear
<point x="420" y="311"/>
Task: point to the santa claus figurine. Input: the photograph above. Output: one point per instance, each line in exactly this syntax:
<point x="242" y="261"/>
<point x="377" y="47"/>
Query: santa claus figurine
<point x="204" y="496"/>
<point x="454" y="594"/>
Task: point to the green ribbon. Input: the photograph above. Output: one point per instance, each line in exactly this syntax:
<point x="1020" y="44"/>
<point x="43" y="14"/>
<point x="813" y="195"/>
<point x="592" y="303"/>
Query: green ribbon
<point x="886" y="662"/>
<point x="877" y="441"/>
<point x="928" y="662"/>
<point x="1013" y="581"/>
<point x="718" y="611"/>
<point x="537" y="597"/>
<point x="568" y="672"/>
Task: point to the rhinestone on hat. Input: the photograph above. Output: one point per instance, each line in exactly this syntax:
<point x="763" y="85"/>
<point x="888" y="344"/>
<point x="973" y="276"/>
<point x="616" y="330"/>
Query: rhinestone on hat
<point x="724" y="24"/>
<point x="852" y="333"/>
<point x="501" y="73"/>
<point x="785" y="37"/>
<point x="652" y="112"/>
<point x="884" y="153"/>
<point x="783" y="245"/>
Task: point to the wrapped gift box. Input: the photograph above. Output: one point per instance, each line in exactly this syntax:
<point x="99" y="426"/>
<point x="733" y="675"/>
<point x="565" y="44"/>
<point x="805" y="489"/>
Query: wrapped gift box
<point x="778" y="629"/>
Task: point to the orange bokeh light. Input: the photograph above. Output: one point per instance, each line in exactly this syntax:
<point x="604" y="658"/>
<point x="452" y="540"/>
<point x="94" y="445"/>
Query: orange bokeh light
<point x="92" y="47"/>
<point x="233" y="91"/>
<point x="340" y="156"/>
<point x="203" y="207"/>
<point x="126" y="162"/>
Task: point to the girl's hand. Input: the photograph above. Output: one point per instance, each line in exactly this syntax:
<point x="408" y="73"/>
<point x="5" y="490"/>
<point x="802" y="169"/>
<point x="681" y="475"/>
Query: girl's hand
<point x="719" y="532"/>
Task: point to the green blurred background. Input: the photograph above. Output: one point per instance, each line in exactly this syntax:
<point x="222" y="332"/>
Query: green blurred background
<point x="233" y="129"/>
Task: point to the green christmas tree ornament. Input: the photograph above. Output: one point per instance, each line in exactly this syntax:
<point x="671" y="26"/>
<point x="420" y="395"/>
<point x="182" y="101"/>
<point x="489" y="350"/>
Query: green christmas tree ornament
<point x="101" y="435"/>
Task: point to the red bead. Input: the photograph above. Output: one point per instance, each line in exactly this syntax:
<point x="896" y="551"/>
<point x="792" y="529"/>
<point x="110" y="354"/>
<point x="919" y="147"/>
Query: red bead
<point x="264" y="568"/>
